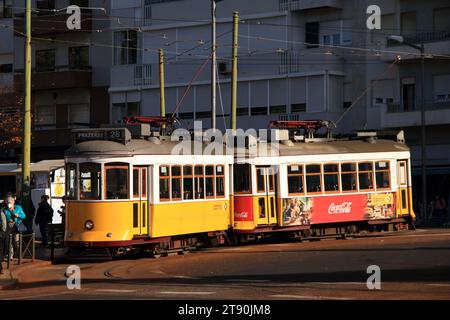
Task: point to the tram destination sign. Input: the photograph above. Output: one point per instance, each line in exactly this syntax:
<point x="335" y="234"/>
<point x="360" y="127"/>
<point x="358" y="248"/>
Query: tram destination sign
<point x="121" y="135"/>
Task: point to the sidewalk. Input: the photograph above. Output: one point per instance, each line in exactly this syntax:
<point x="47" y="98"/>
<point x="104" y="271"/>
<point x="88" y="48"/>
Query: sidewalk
<point x="11" y="277"/>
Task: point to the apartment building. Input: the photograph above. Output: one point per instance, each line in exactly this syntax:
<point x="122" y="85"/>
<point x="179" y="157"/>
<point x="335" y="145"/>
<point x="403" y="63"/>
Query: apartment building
<point x="70" y="71"/>
<point x="297" y="59"/>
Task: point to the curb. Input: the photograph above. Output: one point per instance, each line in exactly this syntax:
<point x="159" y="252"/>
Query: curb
<point x="14" y="274"/>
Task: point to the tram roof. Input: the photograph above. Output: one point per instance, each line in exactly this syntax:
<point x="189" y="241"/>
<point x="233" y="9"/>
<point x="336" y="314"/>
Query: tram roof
<point x="135" y="147"/>
<point x="331" y="147"/>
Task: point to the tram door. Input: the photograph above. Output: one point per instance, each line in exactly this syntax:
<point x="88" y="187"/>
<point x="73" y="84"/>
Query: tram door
<point x="140" y="201"/>
<point x="402" y="175"/>
<point x="266" y="199"/>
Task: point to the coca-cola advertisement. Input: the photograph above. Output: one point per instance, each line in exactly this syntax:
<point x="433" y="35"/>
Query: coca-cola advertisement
<point x="317" y="210"/>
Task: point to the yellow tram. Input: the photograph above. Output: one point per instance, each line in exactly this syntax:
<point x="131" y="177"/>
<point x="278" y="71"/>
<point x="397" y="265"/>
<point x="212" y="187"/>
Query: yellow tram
<point x="124" y="191"/>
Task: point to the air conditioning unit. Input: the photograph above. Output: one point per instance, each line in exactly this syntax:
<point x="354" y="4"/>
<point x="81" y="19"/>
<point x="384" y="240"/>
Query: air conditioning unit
<point x="225" y="68"/>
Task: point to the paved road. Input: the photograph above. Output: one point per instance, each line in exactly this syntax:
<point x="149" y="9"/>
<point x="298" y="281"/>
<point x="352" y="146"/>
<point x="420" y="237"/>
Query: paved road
<point x="414" y="265"/>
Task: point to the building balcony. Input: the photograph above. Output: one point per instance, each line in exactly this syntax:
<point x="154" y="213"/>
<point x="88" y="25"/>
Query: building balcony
<point x="295" y="5"/>
<point x="397" y="115"/>
<point x="131" y="75"/>
<point x="50" y="24"/>
<point x="60" y="78"/>
<point x="51" y="138"/>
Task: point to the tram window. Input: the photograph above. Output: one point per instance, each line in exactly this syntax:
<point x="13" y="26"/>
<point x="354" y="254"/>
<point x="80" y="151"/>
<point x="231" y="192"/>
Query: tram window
<point x="262" y="207"/>
<point x="220" y="181"/>
<point x="144" y="182"/>
<point x="199" y="182"/>
<point x="366" y="176"/>
<point x="331" y="178"/>
<point x="116" y="181"/>
<point x="313" y="179"/>
<point x="383" y="175"/>
<point x="71" y="181"/>
<point x="209" y="180"/>
<point x="271" y="178"/>
<point x="242" y="178"/>
<point x="295" y="180"/>
<point x="136" y="183"/>
<point x="188" y="183"/>
<point x="176" y="182"/>
<point x="164" y="183"/>
<point x="90" y="181"/>
<point x="260" y="180"/>
<point x="349" y="179"/>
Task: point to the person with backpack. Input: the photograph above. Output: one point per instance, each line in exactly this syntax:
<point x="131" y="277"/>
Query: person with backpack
<point x="44" y="216"/>
<point x="14" y="216"/>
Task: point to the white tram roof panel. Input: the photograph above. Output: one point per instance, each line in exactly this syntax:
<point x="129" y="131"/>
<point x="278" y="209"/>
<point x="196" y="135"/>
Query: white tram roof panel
<point x="134" y="147"/>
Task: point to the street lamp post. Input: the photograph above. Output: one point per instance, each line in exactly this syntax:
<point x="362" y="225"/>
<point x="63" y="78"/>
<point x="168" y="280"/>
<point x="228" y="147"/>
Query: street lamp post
<point x="421" y="48"/>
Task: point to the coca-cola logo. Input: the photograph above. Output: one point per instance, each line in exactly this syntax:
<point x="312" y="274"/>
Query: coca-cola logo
<point x="241" y="215"/>
<point x="343" y="208"/>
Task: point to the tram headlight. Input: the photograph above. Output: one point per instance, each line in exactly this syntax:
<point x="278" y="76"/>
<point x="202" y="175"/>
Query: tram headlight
<point x="89" y="225"/>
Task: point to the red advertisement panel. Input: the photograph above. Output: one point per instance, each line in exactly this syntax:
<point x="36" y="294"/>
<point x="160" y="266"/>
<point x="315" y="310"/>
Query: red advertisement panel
<point x="243" y="208"/>
<point x="334" y="209"/>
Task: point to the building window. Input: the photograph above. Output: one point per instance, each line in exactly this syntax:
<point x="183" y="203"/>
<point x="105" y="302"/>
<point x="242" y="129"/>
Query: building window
<point x="331" y="178"/>
<point x="408" y="22"/>
<point x="295" y="180"/>
<point x="349" y="178"/>
<point x="332" y="40"/>
<point x="260" y="180"/>
<point x="45" y="60"/>
<point x="116" y="181"/>
<point x="314" y="178"/>
<point x="298" y="107"/>
<point x="126" y="47"/>
<point x="242" y="178"/>
<point x="6" y="68"/>
<point x="312" y="34"/>
<point x="125" y="109"/>
<point x="383" y="175"/>
<point x="90" y="181"/>
<point x="136" y="183"/>
<point x="45" y="117"/>
<point x="259" y="111"/>
<point x="45" y="4"/>
<point x="366" y="176"/>
<point x="6" y="8"/>
<point x="79" y="58"/>
<point x="242" y="112"/>
<point x="347" y="104"/>
<point x="79" y="115"/>
<point x="278" y="109"/>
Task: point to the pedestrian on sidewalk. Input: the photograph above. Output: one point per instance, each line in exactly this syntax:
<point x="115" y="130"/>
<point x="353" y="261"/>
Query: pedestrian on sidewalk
<point x="44" y="216"/>
<point x="3" y="228"/>
<point x="14" y="217"/>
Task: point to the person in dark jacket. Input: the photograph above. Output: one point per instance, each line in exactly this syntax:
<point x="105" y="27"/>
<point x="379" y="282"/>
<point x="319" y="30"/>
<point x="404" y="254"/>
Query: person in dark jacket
<point x="44" y="216"/>
<point x="3" y="228"/>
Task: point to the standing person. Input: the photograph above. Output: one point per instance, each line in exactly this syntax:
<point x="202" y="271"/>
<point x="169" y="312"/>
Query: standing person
<point x="439" y="206"/>
<point x="3" y="228"/>
<point x="14" y="217"/>
<point x="44" y="216"/>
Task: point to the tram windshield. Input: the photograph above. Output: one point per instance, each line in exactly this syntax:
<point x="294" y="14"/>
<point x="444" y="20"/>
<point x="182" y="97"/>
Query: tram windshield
<point x="116" y="181"/>
<point x="90" y="181"/>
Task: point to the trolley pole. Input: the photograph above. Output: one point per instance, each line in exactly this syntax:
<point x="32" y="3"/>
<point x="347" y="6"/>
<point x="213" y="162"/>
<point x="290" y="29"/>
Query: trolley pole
<point x="162" y="95"/>
<point x="234" y="75"/>
<point x="26" y="144"/>
<point x="213" y="65"/>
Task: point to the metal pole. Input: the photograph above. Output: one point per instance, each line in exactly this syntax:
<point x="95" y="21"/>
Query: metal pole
<point x="52" y="243"/>
<point x="26" y="144"/>
<point x="162" y="95"/>
<point x="20" y="248"/>
<point x="9" y="250"/>
<point x="234" y="76"/>
<point x="213" y="65"/>
<point x="424" y="144"/>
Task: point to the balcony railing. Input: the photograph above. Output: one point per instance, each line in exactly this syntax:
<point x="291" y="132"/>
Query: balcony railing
<point x="423" y="37"/>
<point x="405" y="107"/>
<point x="289" y="62"/>
<point x="142" y="75"/>
<point x="292" y="5"/>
